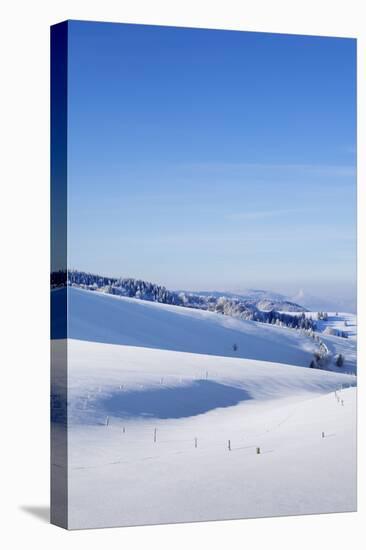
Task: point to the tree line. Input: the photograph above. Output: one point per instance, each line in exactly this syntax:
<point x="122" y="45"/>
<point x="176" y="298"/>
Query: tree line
<point x="144" y="290"/>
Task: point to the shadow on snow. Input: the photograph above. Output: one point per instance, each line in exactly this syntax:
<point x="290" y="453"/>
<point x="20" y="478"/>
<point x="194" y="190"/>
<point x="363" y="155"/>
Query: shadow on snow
<point x="179" y="402"/>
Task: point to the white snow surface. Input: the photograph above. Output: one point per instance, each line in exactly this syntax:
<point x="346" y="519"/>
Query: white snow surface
<point x="105" y="318"/>
<point x="118" y="475"/>
<point x="98" y="317"/>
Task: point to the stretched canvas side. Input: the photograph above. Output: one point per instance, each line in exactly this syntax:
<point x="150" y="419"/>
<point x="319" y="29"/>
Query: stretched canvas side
<point x="59" y="424"/>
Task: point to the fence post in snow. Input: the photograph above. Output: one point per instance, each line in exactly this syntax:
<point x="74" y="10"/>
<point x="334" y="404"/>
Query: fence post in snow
<point x="258" y="450"/>
<point x="154" y="435"/>
<point x="229" y="445"/>
<point x="323" y="435"/>
<point x="195" y="442"/>
<point x="123" y="430"/>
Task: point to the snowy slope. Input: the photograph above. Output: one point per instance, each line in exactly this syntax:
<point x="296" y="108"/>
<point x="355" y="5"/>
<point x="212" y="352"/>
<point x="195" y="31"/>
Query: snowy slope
<point x="126" y="381"/>
<point x="344" y="322"/>
<point x="118" y="474"/>
<point x="109" y="319"/>
<point x="337" y="344"/>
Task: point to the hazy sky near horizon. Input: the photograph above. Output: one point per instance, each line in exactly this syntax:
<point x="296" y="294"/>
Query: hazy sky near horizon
<point x="212" y="159"/>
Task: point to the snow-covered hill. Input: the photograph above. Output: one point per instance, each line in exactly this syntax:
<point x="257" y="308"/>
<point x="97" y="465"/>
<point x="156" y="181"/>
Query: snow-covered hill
<point x="161" y="436"/>
<point x="339" y="323"/>
<point x="264" y="300"/>
<point x="110" y="319"/>
<point x="128" y="381"/>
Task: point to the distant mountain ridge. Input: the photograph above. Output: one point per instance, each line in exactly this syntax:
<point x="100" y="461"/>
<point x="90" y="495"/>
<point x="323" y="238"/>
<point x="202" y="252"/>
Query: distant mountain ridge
<point x="322" y="303"/>
<point x="264" y="300"/>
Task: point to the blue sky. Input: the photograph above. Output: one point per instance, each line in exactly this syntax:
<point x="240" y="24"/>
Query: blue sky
<point x="208" y="159"/>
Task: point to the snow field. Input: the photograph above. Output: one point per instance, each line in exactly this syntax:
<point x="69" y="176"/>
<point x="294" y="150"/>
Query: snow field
<point x="166" y="418"/>
<point x="118" y="474"/>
